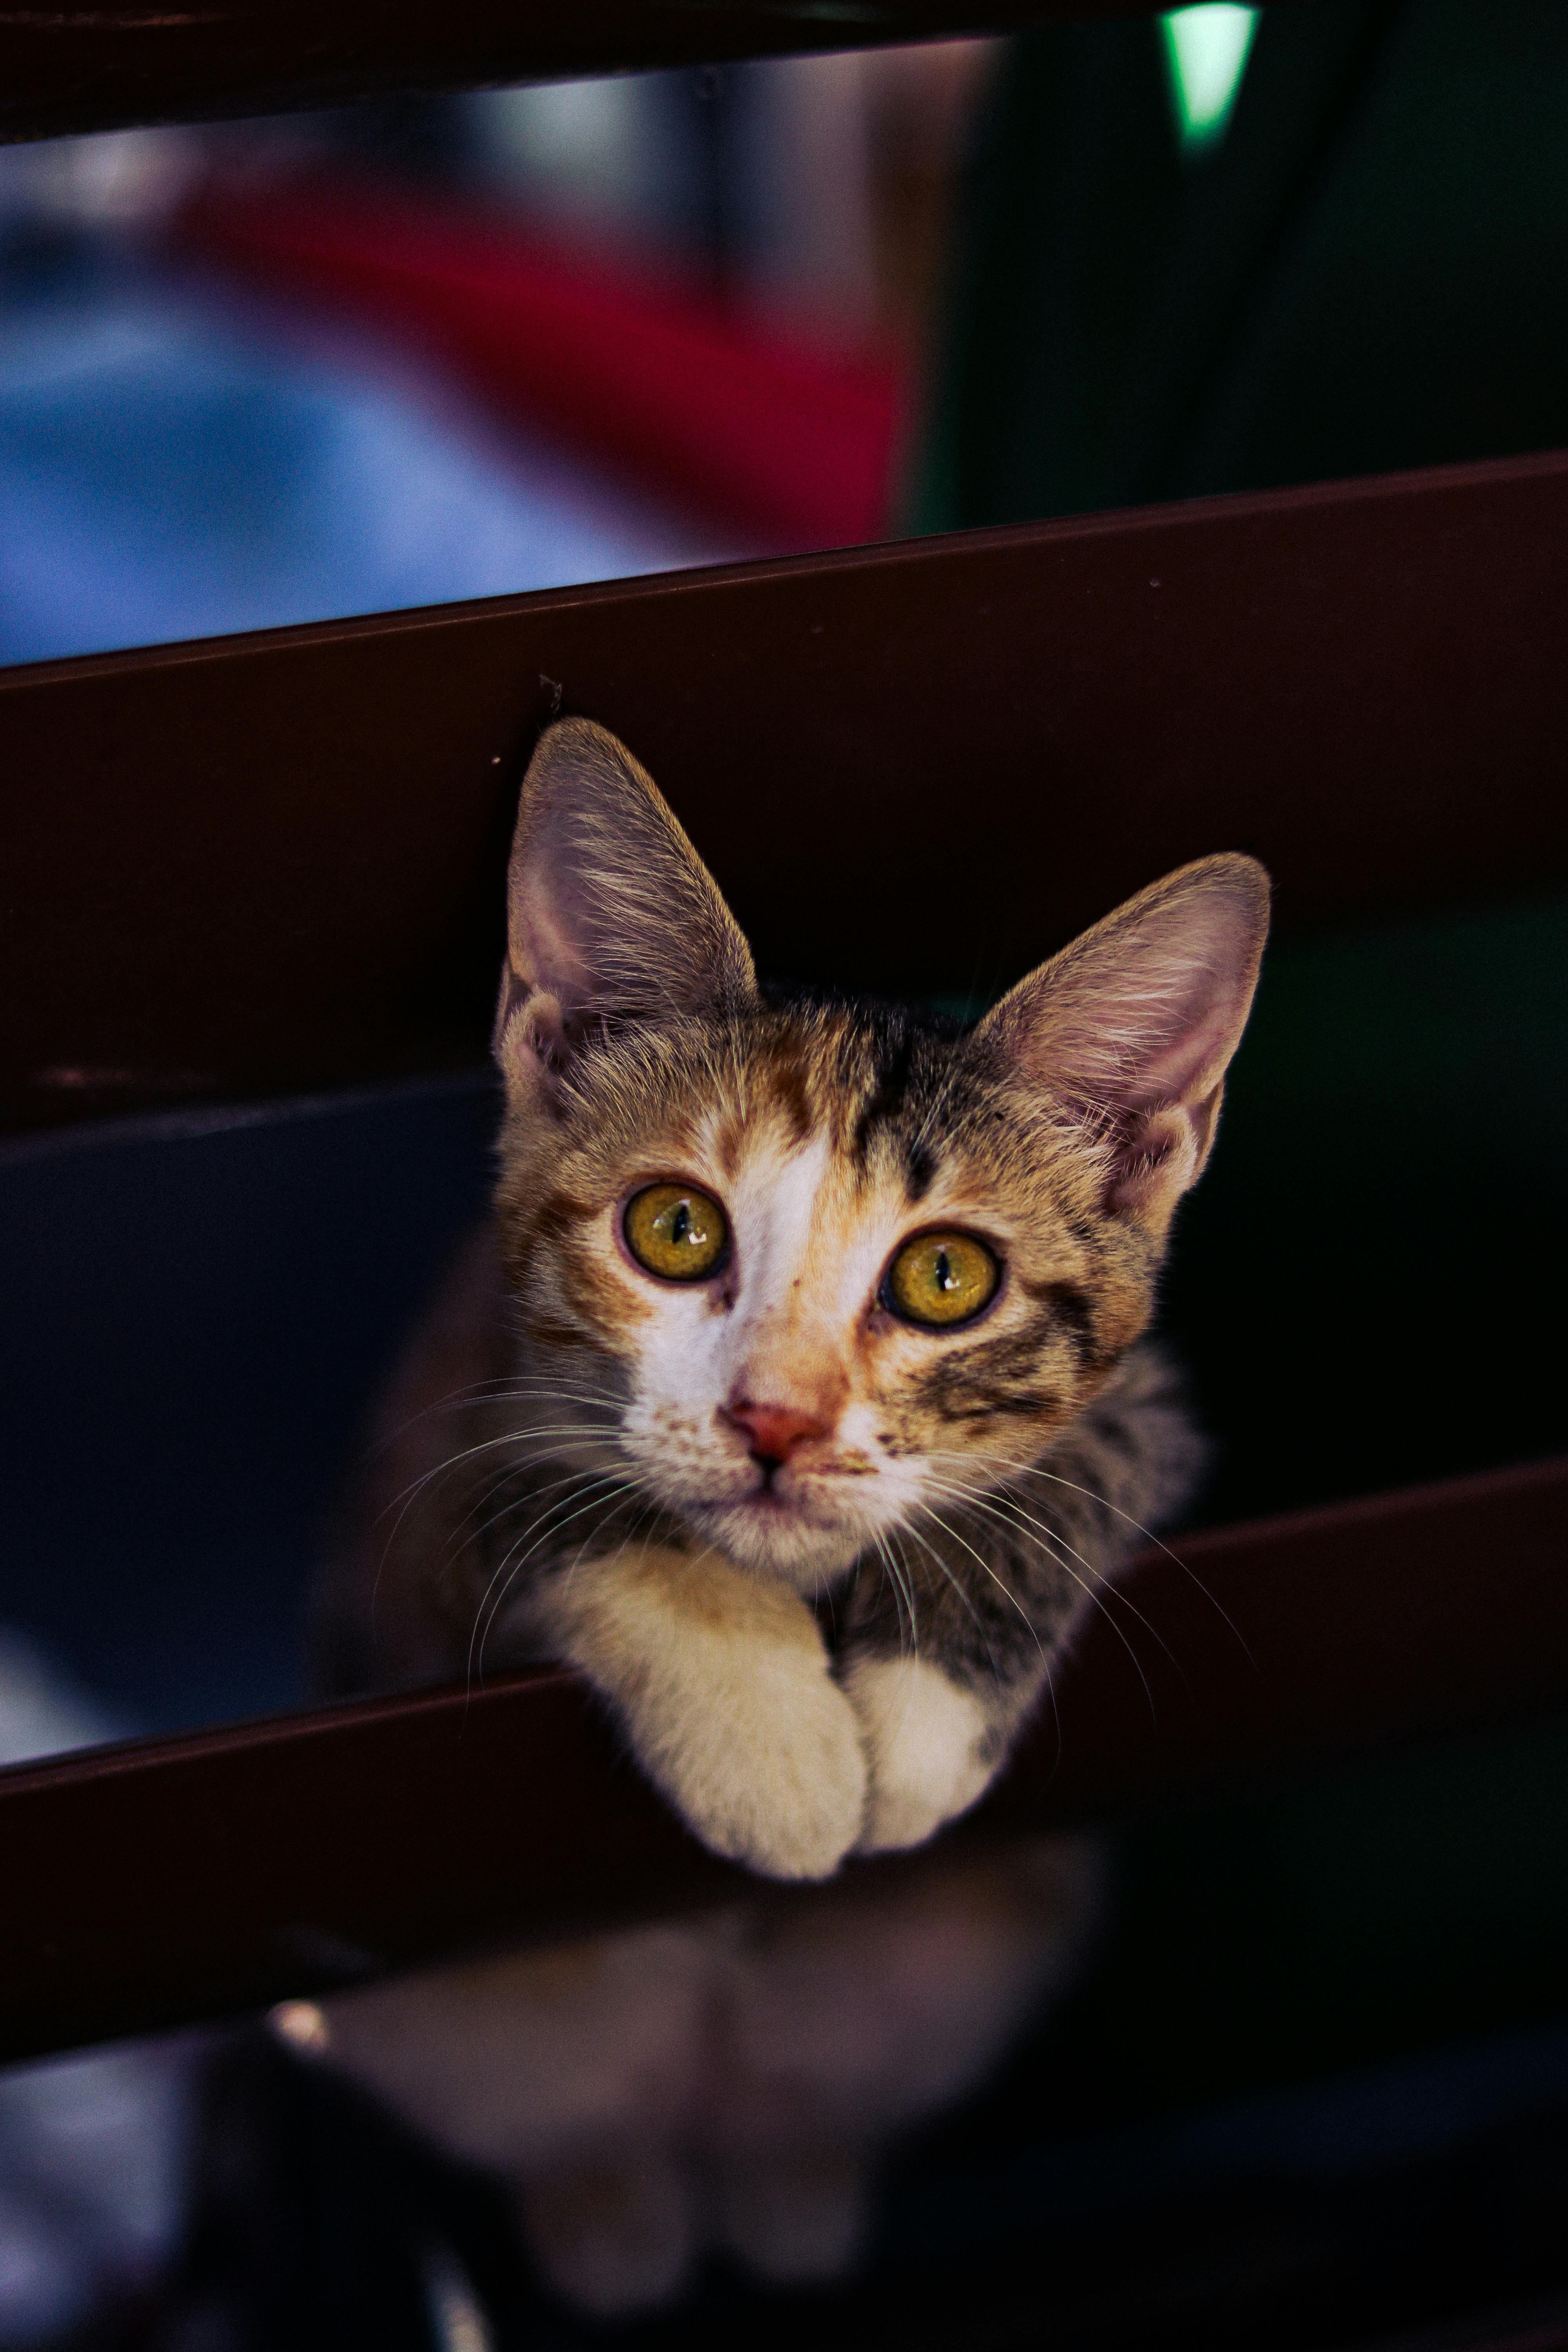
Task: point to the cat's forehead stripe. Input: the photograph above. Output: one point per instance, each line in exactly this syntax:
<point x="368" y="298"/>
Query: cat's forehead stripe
<point x="883" y="1102"/>
<point x="788" y="1084"/>
<point x="871" y="1084"/>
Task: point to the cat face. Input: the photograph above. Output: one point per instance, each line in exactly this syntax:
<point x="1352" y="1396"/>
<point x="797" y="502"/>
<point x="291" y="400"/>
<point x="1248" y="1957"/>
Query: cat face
<point x="880" y="1304"/>
<point x="807" y="1273"/>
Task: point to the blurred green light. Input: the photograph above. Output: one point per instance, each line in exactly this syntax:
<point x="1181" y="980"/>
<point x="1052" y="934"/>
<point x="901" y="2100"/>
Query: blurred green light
<point x="1205" y="49"/>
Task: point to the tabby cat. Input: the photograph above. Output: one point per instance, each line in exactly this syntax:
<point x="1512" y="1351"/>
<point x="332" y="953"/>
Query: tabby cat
<point x="802" y="1394"/>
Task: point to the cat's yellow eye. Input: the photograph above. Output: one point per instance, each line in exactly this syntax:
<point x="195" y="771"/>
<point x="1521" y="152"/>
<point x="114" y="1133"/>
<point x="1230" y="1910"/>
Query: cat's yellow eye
<point x="676" y="1232"/>
<point x="939" y="1279"/>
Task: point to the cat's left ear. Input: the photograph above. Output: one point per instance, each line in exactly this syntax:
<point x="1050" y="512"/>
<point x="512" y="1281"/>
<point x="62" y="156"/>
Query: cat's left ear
<point x="1129" y="1031"/>
<point x="611" y="915"/>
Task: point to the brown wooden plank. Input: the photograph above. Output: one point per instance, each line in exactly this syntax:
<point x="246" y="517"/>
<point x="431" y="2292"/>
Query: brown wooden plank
<point x="182" y="1877"/>
<point x="274" y="862"/>
<point x="95" y="65"/>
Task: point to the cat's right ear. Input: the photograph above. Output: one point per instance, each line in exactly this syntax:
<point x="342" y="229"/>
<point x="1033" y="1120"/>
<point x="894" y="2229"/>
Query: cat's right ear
<point x="1128" y="1032"/>
<point x="611" y="915"/>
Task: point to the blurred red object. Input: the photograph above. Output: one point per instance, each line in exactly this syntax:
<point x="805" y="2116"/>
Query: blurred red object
<point x="749" y="425"/>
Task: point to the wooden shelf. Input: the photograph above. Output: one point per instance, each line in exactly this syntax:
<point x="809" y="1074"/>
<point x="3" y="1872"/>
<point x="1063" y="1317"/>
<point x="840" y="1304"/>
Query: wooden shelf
<point x="171" y="1879"/>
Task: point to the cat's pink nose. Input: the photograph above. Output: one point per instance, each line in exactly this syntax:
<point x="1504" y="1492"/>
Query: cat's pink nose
<point x="774" y="1432"/>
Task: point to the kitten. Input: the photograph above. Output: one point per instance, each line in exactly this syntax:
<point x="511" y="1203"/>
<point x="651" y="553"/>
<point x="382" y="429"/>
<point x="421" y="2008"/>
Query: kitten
<point x="796" y="1393"/>
<point x="803" y="1402"/>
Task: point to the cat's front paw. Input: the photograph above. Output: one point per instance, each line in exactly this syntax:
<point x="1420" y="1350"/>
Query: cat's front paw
<point x="724" y="1685"/>
<point x="925" y="1743"/>
<point x="776" y="1779"/>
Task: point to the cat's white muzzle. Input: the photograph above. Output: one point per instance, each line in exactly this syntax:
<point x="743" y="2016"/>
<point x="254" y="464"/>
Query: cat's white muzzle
<point x="780" y="1534"/>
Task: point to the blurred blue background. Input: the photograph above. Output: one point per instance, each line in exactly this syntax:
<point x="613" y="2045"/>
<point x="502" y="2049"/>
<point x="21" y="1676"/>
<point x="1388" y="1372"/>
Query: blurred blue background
<point x="176" y="463"/>
<point x="183" y="452"/>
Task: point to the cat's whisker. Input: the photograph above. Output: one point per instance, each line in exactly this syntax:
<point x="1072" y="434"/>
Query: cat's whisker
<point x="522" y="1378"/>
<point x="1001" y="1473"/>
<point x="694" y="1559"/>
<point x="488" y="1445"/>
<point x="467" y="1533"/>
<point x="537" y="1524"/>
<point x="1085" y="1584"/>
<point x="1001" y="1585"/>
<point x="403" y="1503"/>
<point x="1033" y="1470"/>
<point x="539" y="1432"/>
<point x="891" y="1581"/>
<point x="931" y="1553"/>
<point x="547" y="1523"/>
<point x="619" y="1486"/>
<point x="1056" y="1718"/>
<point x="509" y="1476"/>
<point x="650" y="1509"/>
<point x="547" y="1392"/>
<point x="465" y="1530"/>
<point x="1046" y="1656"/>
<point x="518" y="1384"/>
<point x="908" y="1581"/>
<point x="1088" y="1585"/>
<point x="902" y="1586"/>
<point x="478" y="1393"/>
<point x="993" y="1501"/>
